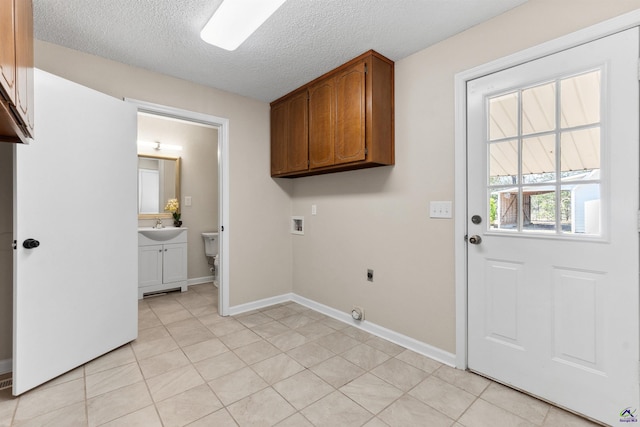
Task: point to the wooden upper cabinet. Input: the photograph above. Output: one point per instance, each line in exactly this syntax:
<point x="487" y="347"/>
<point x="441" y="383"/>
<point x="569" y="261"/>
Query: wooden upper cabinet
<point x="16" y="70"/>
<point x="289" y="135"/>
<point x="279" y="124"/>
<point x="322" y="117"/>
<point x="24" y="63"/>
<point x="350" y="119"/>
<point x="7" y="51"/>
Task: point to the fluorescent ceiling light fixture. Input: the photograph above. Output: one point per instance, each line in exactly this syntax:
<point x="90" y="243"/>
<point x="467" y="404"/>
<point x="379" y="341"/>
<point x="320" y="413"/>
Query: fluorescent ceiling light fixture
<point x="156" y="145"/>
<point x="236" y="20"/>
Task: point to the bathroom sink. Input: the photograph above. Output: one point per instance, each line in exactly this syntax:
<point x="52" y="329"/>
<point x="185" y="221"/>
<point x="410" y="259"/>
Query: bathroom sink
<point x="160" y="234"/>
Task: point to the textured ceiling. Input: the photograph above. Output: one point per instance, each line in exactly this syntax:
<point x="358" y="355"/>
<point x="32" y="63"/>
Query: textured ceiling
<point x="301" y="41"/>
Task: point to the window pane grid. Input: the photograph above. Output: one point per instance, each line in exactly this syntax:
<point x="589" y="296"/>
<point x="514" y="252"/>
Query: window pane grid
<point x="544" y="157"/>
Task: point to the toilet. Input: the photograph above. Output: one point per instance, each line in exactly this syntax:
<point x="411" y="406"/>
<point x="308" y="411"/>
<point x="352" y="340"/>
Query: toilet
<point x="211" y="250"/>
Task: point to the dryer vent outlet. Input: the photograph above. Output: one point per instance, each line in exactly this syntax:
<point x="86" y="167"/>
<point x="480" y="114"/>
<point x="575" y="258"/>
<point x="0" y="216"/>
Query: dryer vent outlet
<point x="357" y="313"/>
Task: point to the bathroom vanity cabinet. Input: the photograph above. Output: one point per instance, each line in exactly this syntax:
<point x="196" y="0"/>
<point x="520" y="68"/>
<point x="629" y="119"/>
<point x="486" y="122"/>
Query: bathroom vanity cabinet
<point x="16" y="70"/>
<point x="343" y="120"/>
<point x="162" y="260"/>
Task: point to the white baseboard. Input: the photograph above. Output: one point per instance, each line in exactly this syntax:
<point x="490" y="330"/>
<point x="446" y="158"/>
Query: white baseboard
<point x="6" y="365"/>
<point x="255" y="305"/>
<point x="379" y="331"/>
<point x="199" y="280"/>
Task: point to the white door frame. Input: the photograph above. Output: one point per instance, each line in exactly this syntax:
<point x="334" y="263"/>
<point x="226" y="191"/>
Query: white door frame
<point x="586" y="35"/>
<point x="223" y="182"/>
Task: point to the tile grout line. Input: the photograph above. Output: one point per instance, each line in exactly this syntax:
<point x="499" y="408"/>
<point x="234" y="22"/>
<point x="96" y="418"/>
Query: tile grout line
<point x="86" y="398"/>
<point x="135" y="355"/>
<point x="454" y="379"/>
<point x="335" y="389"/>
<point x="15" y="410"/>
<point x="224" y="407"/>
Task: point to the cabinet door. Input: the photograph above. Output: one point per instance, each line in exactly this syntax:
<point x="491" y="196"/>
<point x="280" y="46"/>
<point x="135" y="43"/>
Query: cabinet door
<point x="322" y="116"/>
<point x="290" y="135"/>
<point x="7" y="50"/>
<point x="279" y="134"/>
<point x="298" y="138"/>
<point x="174" y="265"/>
<point x="149" y="265"/>
<point x="350" y="111"/>
<point x="24" y="62"/>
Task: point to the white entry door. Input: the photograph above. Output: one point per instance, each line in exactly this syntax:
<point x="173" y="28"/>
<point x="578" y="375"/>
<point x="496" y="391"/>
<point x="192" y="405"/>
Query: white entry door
<point x="75" y="295"/>
<point x="553" y="227"/>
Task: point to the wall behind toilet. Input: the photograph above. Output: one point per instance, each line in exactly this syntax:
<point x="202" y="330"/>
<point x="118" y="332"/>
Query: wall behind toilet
<point x="199" y="179"/>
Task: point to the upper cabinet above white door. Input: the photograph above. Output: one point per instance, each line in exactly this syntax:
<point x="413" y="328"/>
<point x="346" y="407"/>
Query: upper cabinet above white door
<point x="16" y="71"/>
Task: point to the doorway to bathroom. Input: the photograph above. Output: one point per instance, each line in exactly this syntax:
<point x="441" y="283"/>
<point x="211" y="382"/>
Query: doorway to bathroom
<point x="200" y="141"/>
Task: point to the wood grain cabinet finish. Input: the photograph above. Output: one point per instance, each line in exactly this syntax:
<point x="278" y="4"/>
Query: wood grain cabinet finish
<point x="8" y="50"/>
<point x="350" y="114"/>
<point x="349" y="121"/>
<point x="16" y="70"/>
<point x="322" y="118"/>
<point x="289" y="135"/>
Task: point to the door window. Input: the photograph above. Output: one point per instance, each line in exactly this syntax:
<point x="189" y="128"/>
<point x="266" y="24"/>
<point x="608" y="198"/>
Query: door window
<point x="544" y="151"/>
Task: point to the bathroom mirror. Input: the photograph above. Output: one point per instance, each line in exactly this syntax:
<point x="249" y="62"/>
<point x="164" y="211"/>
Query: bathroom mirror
<point x="158" y="181"/>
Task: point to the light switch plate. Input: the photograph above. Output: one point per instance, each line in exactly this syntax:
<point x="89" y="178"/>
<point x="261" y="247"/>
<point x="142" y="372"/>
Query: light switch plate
<point x="187" y="200"/>
<point x="440" y="209"/>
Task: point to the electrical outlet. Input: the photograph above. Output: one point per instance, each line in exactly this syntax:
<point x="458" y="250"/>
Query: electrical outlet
<point x="357" y="313"/>
<point x="370" y="275"/>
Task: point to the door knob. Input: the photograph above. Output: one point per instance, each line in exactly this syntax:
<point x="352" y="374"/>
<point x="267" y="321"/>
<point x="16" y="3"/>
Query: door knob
<point x="475" y="239"/>
<point x="30" y="243"/>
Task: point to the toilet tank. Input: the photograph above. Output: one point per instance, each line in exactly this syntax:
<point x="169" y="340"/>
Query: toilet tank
<point x="210" y="243"/>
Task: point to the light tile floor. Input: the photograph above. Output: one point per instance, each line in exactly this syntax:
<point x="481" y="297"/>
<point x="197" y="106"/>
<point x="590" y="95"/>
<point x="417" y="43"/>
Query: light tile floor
<point x="284" y="365"/>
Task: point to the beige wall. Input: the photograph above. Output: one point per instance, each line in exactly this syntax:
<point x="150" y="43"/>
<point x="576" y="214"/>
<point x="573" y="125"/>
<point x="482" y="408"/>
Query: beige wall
<point x="199" y="180"/>
<point x="6" y="253"/>
<point x="375" y="218"/>
<point x="260" y="246"/>
<point x="379" y="218"/>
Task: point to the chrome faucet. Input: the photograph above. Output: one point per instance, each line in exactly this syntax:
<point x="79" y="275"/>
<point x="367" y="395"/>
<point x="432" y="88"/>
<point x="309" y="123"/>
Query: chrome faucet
<point x="159" y="223"/>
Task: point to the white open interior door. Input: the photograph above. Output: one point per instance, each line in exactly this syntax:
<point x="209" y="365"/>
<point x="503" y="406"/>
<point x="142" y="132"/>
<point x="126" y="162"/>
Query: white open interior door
<point x="553" y="227"/>
<point x="75" y="295"/>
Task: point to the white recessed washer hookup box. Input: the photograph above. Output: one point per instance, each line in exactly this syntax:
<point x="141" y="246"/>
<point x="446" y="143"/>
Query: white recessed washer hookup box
<point x="297" y="225"/>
